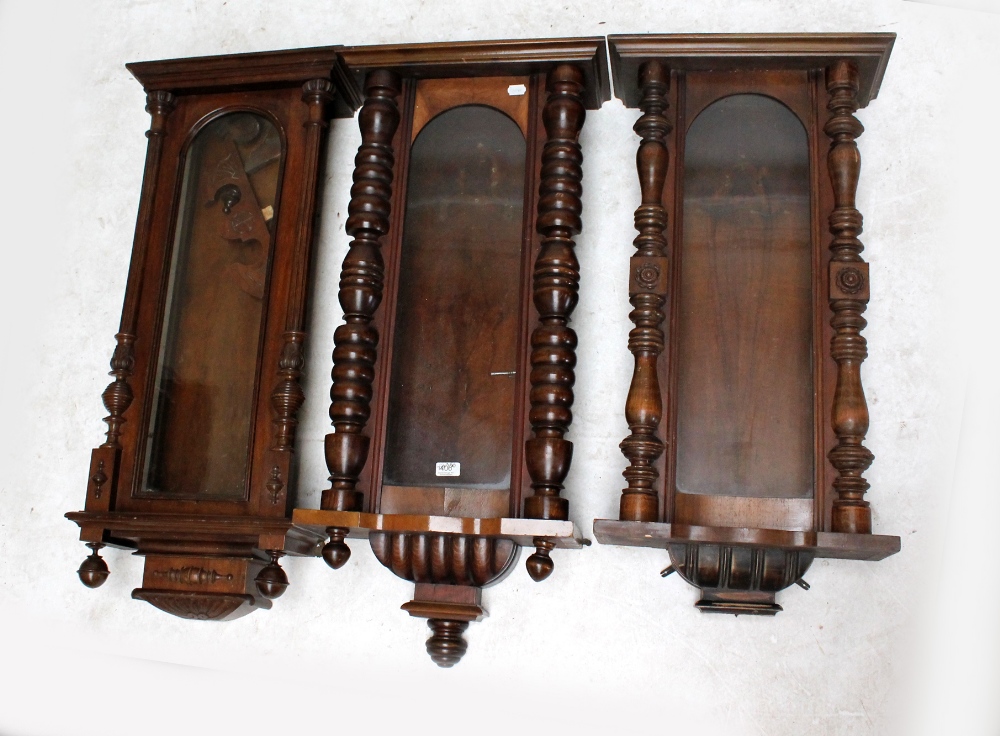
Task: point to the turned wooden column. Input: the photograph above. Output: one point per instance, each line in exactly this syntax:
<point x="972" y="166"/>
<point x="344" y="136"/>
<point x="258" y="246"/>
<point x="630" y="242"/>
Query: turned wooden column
<point x="849" y="292"/>
<point x="118" y="395"/>
<point x="647" y="294"/>
<point x="361" y="283"/>
<point x="556" y="283"/>
<point x="287" y="396"/>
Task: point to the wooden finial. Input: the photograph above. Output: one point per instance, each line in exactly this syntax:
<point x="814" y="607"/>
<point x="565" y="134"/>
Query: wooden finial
<point x="447" y="645"/>
<point x="540" y="565"/>
<point x="272" y="580"/>
<point x="94" y="570"/>
<point x="335" y="552"/>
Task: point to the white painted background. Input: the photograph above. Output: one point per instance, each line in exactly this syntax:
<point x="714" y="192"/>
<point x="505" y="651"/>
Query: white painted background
<point x="906" y="646"/>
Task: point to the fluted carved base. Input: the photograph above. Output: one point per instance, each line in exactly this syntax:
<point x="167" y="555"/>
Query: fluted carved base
<point x="456" y="559"/>
<point x="739" y="570"/>
<point x="739" y="579"/>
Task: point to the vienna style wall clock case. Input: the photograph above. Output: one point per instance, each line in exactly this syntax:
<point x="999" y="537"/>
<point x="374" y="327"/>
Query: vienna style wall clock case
<point x="746" y="409"/>
<point x="453" y="370"/>
<point x="196" y="471"/>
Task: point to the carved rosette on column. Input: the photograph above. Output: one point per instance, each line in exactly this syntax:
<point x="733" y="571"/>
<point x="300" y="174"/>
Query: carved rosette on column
<point x="848" y="300"/>
<point x="647" y="294"/>
<point x="556" y="283"/>
<point x="356" y="341"/>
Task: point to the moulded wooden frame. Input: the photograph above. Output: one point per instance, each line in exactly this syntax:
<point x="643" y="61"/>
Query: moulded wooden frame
<point x="208" y="556"/>
<point x="741" y="551"/>
<point x="448" y="556"/>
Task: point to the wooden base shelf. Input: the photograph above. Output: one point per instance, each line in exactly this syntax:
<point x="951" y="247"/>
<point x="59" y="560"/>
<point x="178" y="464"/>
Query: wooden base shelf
<point x="740" y="570"/>
<point x="131" y="530"/>
<point x="449" y="560"/>
<point x="870" y="547"/>
<point x="209" y="568"/>
<point x="523" y="532"/>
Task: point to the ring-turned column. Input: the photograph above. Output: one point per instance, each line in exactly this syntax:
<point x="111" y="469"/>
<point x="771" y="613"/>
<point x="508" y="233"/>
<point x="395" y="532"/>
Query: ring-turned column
<point x="849" y="294"/>
<point x="647" y="294"/>
<point x="361" y="283"/>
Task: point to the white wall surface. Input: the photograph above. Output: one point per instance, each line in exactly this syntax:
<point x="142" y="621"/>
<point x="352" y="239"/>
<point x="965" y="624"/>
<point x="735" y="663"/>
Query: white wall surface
<point x="909" y="645"/>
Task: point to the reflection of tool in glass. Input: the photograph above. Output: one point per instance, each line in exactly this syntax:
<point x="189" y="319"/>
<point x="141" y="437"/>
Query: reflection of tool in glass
<point x="245" y="220"/>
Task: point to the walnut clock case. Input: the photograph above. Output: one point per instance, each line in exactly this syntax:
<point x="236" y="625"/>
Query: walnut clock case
<point x="746" y="411"/>
<point x="196" y="471"/>
<point x="453" y="369"/>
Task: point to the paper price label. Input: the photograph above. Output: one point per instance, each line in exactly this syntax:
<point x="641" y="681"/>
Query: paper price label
<point x="448" y="469"/>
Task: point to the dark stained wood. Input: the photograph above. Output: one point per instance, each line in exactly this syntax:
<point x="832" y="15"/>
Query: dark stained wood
<point x="686" y="52"/>
<point x="445" y="558"/>
<point x="556" y="284"/>
<point x="744" y="403"/>
<point x="118" y="395"/>
<point x="434" y="96"/>
<point x="475" y="206"/>
<point x="648" y="278"/>
<point x="769" y="513"/>
<point x="258" y="70"/>
<point x="848" y="299"/>
<point x="212" y="544"/>
<point x="207" y="372"/>
<point x="454" y="367"/>
<point x="834" y="545"/>
<point x="361" y="293"/>
<point x="445" y="501"/>
<point x="764" y="411"/>
<point x="563" y="534"/>
<point x="94" y="570"/>
<point x="465" y="59"/>
<point x="361" y="284"/>
<point x="287" y="396"/>
<point x="448" y="609"/>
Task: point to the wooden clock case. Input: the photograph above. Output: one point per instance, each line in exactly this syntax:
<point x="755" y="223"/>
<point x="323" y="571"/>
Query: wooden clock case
<point x="196" y="474"/>
<point x="748" y="289"/>
<point x="455" y="351"/>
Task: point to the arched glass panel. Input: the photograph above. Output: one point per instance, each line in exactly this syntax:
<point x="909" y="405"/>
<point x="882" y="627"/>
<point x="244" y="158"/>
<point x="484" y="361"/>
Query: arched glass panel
<point x="744" y="358"/>
<point x="454" y="360"/>
<point x="200" y="431"/>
